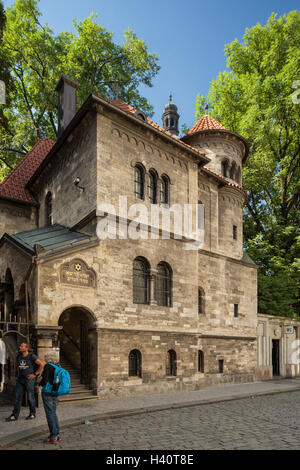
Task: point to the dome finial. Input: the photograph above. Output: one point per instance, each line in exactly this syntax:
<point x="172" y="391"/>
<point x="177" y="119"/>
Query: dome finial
<point x="170" y="117"/>
<point x="206" y="109"/>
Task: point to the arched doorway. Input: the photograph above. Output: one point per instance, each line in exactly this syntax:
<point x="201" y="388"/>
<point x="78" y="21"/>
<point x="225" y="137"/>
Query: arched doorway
<point x="78" y="343"/>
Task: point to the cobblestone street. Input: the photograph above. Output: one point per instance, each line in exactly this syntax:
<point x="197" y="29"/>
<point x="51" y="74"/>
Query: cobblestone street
<point x="270" y="422"/>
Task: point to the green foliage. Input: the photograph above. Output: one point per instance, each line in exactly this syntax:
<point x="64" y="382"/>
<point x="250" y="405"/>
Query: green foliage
<point x="255" y="99"/>
<point x="35" y="59"/>
<point x="277" y="295"/>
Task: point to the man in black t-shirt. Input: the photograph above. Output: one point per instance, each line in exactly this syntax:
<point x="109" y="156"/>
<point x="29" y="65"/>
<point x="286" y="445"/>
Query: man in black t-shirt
<point x="29" y="367"/>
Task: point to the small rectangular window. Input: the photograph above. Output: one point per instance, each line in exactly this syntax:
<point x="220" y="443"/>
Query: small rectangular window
<point x="236" y="310"/>
<point x="221" y="366"/>
<point x="234" y="232"/>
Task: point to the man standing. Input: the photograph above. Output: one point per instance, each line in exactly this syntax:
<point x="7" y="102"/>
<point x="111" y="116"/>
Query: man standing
<point x="26" y="380"/>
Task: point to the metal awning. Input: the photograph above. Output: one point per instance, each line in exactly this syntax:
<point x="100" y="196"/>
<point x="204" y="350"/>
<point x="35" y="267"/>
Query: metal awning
<point x="45" y="239"/>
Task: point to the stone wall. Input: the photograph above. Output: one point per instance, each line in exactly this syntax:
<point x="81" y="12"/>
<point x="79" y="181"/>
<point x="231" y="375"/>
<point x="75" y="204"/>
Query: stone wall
<point x="76" y="158"/>
<point x="16" y="217"/>
<point x="225" y="282"/>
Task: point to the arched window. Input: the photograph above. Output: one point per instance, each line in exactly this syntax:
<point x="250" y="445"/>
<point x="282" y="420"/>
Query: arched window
<point x="171" y="366"/>
<point x="233" y="171"/>
<point x="139" y="179"/>
<point x="153" y="186"/>
<point x="164" y="285"/>
<point x="135" y="363"/>
<point x="200" y="361"/>
<point x="165" y="190"/>
<point x="224" y="168"/>
<point x="48" y="210"/>
<point x="141" y="281"/>
<point x="200" y="301"/>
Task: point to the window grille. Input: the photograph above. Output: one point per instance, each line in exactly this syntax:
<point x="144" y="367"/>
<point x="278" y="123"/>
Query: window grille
<point x="135" y="363"/>
<point x="165" y="190"/>
<point x="141" y="281"/>
<point x="171" y="368"/>
<point x="164" y="285"/>
<point x="139" y="182"/>
<point x="153" y="187"/>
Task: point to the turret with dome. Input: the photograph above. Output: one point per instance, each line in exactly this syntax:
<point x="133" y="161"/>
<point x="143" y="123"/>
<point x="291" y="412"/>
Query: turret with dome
<point x="226" y="149"/>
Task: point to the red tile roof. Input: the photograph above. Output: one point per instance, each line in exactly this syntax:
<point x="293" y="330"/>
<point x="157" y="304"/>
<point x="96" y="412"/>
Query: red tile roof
<point x="14" y="185"/>
<point x="206" y="123"/>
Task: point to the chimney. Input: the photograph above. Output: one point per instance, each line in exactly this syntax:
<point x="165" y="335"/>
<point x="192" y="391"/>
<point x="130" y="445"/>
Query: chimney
<point x="66" y="88"/>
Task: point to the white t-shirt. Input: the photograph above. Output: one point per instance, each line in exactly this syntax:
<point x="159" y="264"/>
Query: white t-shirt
<point x="2" y="352"/>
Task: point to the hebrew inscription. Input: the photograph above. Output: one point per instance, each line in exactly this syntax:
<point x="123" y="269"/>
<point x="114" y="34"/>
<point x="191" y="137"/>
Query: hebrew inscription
<point x="77" y="273"/>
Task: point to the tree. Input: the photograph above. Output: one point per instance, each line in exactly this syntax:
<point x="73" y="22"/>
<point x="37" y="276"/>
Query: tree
<point x="36" y="59"/>
<point x="257" y="99"/>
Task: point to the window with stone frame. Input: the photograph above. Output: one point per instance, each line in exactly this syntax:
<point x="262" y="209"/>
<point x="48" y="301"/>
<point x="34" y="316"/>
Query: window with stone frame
<point x="165" y="190"/>
<point x="153" y="186"/>
<point x="139" y="181"/>
<point x="171" y="366"/>
<point x="163" y="285"/>
<point x="234" y="232"/>
<point x="135" y="363"/>
<point x="236" y="310"/>
<point x="224" y="168"/>
<point x="200" y="361"/>
<point x="141" y="281"/>
<point x="200" y="301"/>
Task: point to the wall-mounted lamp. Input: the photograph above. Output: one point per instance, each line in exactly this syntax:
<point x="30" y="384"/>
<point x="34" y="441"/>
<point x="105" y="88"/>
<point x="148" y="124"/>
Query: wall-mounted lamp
<point x="76" y="183"/>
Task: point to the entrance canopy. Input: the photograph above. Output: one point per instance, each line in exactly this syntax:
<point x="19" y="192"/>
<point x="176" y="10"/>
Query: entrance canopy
<point x="45" y="239"/>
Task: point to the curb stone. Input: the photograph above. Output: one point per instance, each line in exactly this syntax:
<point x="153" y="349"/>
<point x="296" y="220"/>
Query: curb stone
<point x="15" y="438"/>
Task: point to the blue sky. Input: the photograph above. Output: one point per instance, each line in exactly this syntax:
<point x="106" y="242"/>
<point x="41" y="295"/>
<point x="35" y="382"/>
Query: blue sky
<point x="188" y="36"/>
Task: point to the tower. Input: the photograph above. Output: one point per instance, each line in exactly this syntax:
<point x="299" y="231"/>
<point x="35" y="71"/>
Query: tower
<point x="226" y="149"/>
<point x="170" y="117"/>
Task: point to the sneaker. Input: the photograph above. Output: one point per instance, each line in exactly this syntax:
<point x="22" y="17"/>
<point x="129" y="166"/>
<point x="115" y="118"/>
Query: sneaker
<point x="31" y="416"/>
<point x="11" y="418"/>
<point x="52" y="440"/>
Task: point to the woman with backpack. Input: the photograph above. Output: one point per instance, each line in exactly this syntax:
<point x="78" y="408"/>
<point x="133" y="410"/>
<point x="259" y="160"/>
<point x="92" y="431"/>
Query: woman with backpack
<point x="50" y="400"/>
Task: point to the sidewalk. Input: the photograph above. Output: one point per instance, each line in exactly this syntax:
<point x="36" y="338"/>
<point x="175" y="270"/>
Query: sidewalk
<point x="79" y="412"/>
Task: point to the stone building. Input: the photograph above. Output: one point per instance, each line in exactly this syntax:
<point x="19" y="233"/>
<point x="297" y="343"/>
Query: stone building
<point x="130" y="315"/>
<point x="278" y="347"/>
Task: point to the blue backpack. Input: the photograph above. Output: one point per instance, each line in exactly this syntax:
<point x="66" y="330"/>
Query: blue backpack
<point x="61" y="382"/>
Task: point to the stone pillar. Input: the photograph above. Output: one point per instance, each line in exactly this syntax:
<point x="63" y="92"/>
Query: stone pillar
<point x="47" y="338"/>
<point x="153" y="275"/>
